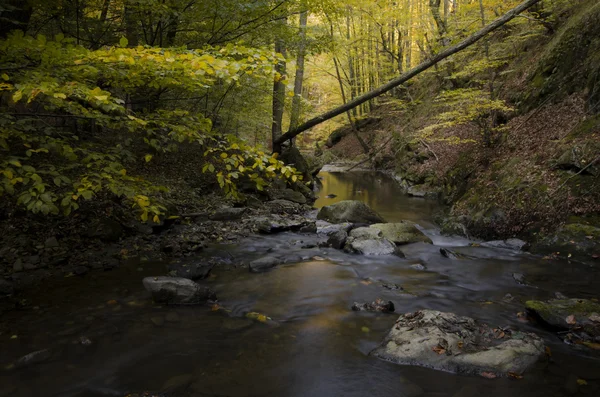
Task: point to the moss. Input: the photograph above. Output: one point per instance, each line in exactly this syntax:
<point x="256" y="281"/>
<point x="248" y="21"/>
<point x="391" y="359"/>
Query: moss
<point x="586" y="127"/>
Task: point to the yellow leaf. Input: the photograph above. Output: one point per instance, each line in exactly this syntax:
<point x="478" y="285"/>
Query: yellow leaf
<point x="144" y="216"/>
<point x="101" y="97"/>
<point x="156" y="219"/>
<point x="123" y="171"/>
<point x="5" y="77"/>
<point x="17" y="96"/>
<point x="148" y="157"/>
<point x="60" y="95"/>
<point x="223" y="155"/>
<point x="581" y="382"/>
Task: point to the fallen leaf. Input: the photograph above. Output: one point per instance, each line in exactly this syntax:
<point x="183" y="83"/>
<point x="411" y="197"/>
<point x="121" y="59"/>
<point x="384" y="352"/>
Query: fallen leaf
<point x="460" y="345"/>
<point x="318" y="258"/>
<point x="501" y="335"/>
<point x="215" y="307"/>
<point x="591" y="345"/>
<point x="366" y="330"/>
<point x="571" y="320"/>
<point x="489" y="375"/>
<point x="366" y="282"/>
<point x="112" y="302"/>
<point x="515" y="375"/>
<point x="581" y="382"/>
<point x="594" y="317"/>
<point x="439" y="349"/>
<point x="548" y="351"/>
<point x="14" y="337"/>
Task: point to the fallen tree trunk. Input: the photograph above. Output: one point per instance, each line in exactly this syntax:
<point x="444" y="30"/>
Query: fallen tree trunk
<point x="406" y="76"/>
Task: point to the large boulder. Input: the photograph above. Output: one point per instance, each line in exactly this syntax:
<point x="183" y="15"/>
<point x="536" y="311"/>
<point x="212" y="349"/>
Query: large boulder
<point x="447" y="342"/>
<point x="579" y="316"/>
<point x="177" y="290"/>
<point x="349" y="211"/>
<point x="404" y="232"/>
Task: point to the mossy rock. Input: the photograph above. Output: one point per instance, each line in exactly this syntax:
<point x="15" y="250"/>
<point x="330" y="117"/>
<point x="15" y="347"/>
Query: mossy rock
<point x="578" y="157"/>
<point x="579" y="240"/>
<point x="353" y="211"/>
<point x="567" y="313"/>
<point x="404" y="232"/>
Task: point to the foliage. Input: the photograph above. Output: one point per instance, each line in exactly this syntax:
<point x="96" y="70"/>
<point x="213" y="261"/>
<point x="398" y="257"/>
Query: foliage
<point x="63" y="103"/>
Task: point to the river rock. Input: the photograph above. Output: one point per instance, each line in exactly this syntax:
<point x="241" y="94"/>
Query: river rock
<point x="33" y="358"/>
<point x="338" y="239"/>
<point x="283" y="207"/>
<point x="349" y="211"/>
<point x="277" y="224"/>
<point x="327" y="229"/>
<point x="52" y="242"/>
<point x="194" y="270"/>
<point x="6" y="288"/>
<point x="404" y="232"/>
<point x="105" y="229"/>
<point x="177" y="290"/>
<point x="447" y="342"/>
<point x="228" y="214"/>
<point x="582" y="315"/>
<point x="379" y="246"/>
<point x="378" y="306"/>
<point x="511" y="244"/>
<point x="265" y="263"/>
<point x="287" y="194"/>
<point x="448" y="253"/>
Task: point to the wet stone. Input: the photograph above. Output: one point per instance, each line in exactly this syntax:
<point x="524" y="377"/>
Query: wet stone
<point x="377" y="306"/>
<point x="264" y="264"/>
<point x="36" y="357"/>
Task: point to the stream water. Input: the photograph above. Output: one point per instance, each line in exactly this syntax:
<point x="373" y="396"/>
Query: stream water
<point x="105" y="337"/>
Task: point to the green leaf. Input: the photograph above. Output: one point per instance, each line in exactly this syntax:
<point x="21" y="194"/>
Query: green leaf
<point x="123" y="42"/>
<point x="87" y="194"/>
<point x="148" y="157"/>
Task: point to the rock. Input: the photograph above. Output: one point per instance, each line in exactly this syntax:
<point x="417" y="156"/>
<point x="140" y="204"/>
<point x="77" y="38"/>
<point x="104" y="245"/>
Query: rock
<point x="327" y="229"/>
<point x="331" y="196"/>
<point x="560" y="295"/>
<point x="283" y="207"/>
<point x="36" y="357"/>
<point x="423" y="191"/>
<point x="265" y="263"/>
<point x="511" y="244"/>
<point x="194" y="270"/>
<point x="228" y="214"/>
<point x="34" y="259"/>
<point x="581" y="315"/>
<point x="6" y="288"/>
<point x="18" y="266"/>
<point x="447" y="342"/>
<point x="404" y="232"/>
<point x="291" y="156"/>
<point x="177" y="290"/>
<point x="580" y="240"/>
<point x="519" y="278"/>
<point x="391" y="286"/>
<point x="277" y="224"/>
<point x="310" y="228"/>
<point x="378" y="306"/>
<point x="52" y="242"/>
<point x="418" y="266"/>
<point x="338" y="239"/>
<point x="178" y="382"/>
<point x="447" y="253"/>
<point x="158" y="321"/>
<point x="81" y="270"/>
<point x="172" y="317"/>
<point x="106" y="230"/>
<point x="349" y="211"/>
<point x="371" y="247"/>
<point x="288" y="195"/>
<point x="365" y="233"/>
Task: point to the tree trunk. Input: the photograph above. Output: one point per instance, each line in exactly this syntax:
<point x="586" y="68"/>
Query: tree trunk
<point x="434" y="5"/>
<point x="131" y="30"/>
<point x="297" y="101"/>
<point x="408" y="75"/>
<point x="278" y="92"/>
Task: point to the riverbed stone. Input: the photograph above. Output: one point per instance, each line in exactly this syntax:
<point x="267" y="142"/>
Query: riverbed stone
<point x="105" y="229"/>
<point x="177" y="290"/>
<point x="370" y="247"/>
<point x="287" y="194"/>
<point x="228" y="214"/>
<point x="327" y="229"/>
<point x="338" y="239"/>
<point x="51" y="242"/>
<point x="378" y="305"/>
<point x="400" y="233"/>
<point x="276" y="224"/>
<point x="452" y="343"/>
<point x="511" y="244"/>
<point x="264" y="264"/>
<point x="365" y="233"/>
<point x="193" y="269"/>
<point x="582" y="315"/>
<point x="349" y="211"/>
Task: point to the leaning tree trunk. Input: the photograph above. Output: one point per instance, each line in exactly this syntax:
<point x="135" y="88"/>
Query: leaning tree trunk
<point x="408" y="75"/>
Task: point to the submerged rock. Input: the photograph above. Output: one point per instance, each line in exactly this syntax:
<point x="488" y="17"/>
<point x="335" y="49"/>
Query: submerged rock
<point x="265" y="263"/>
<point x="378" y="306"/>
<point x="33" y="358"/>
<point x="177" y="290"/>
<point x="349" y="211"/>
<point x="404" y="232"/>
<point x="447" y="342"/>
<point x="447" y="253"/>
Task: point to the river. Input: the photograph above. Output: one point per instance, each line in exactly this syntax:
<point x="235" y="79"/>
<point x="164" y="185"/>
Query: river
<point x="105" y="337"/>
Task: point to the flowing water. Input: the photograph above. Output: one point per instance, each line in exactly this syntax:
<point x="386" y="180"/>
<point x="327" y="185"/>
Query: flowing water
<point x="105" y="337"/>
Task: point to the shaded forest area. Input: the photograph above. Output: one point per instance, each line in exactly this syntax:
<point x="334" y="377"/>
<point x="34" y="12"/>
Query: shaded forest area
<point x="131" y="116"/>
